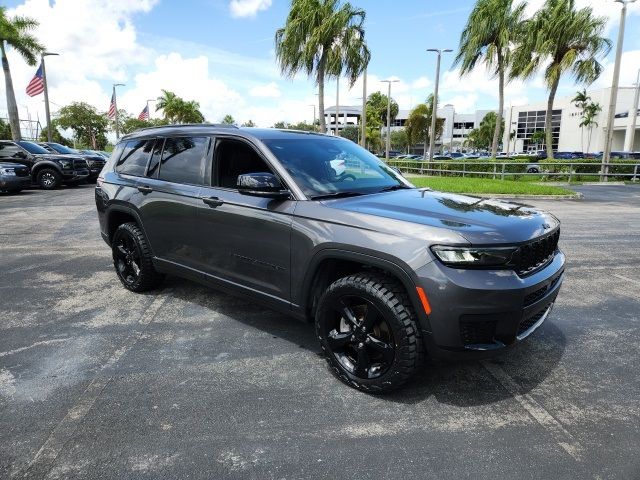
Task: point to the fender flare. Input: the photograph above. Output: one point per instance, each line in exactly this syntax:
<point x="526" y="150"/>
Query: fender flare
<point x="397" y="268"/>
<point x="122" y="208"/>
<point x="44" y="164"/>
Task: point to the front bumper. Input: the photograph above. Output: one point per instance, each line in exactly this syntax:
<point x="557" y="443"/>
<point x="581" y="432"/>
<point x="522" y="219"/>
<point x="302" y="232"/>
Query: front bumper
<point x="10" y="182"/>
<point x="75" y="175"/>
<point x="481" y="312"/>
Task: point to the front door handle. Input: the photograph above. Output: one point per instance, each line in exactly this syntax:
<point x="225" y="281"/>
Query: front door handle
<point x="213" y="202"/>
<point x="144" y="189"/>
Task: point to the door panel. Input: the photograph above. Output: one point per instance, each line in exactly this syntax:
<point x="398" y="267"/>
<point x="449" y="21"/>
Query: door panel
<point x="246" y="240"/>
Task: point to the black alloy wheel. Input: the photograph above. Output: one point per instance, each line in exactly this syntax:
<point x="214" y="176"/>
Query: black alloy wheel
<point x="133" y="260"/>
<point x="48" y="179"/>
<point x="367" y="329"/>
<point x="360" y="338"/>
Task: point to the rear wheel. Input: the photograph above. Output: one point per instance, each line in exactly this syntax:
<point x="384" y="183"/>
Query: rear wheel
<point x="132" y="259"/>
<point x="367" y="329"/>
<point x="49" y="179"/>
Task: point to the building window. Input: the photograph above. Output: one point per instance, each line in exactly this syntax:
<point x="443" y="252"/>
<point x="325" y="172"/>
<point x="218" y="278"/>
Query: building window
<point x="529" y="122"/>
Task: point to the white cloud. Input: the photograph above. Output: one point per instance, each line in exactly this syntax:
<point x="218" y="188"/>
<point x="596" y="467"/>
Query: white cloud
<point x="629" y="65"/>
<point x="188" y="78"/>
<point x="270" y="90"/>
<point x="248" y="8"/>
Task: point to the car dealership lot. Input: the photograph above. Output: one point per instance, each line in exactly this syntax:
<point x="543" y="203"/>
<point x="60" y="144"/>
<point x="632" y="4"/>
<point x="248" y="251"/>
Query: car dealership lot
<point x="98" y="382"/>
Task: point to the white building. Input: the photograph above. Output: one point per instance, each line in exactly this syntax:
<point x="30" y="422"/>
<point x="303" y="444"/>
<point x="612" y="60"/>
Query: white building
<point x="567" y="134"/>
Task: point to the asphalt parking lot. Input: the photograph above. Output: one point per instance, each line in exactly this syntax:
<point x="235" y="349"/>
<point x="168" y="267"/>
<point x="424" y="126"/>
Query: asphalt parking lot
<point x="97" y="382"/>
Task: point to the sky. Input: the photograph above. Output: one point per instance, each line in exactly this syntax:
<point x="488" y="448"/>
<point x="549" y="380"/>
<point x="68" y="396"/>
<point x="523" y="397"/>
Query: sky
<point x="221" y="54"/>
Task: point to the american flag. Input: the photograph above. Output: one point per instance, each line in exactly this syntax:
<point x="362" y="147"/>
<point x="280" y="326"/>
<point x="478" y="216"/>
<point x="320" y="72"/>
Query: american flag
<point x="144" y="114"/>
<point x="36" y="85"/>
<point x="112" y="107"/>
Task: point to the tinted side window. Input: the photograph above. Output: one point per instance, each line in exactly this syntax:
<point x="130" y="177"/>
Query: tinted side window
<point x="134" y="157"/>
<point x="183" y="159"/>
<point x="154" y="163"/>
<point x="235" y="158"/>
<point x="8" y="149"/>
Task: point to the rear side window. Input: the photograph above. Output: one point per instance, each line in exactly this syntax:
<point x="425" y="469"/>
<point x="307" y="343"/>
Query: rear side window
<point x="183" y="160"/>
<point x="134" y="157"/>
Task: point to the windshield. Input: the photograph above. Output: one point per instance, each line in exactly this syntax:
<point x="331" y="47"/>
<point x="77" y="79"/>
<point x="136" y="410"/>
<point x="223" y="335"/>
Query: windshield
<point x="32" y="147"/>
<point x="323" y="166"/>
<point x="61" y="148"/>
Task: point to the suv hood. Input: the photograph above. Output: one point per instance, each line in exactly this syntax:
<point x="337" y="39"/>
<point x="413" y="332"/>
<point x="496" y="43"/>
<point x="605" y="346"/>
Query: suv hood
<point x="479" y="220"/>
<point x="57" y="156"/>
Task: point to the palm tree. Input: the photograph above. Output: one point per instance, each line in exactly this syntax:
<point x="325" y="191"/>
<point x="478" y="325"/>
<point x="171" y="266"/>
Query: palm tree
<point x="169" y="105"/>
<point x="189" y="112"/>
<point x="15" y="34"/>
<point x="323" y="39"/>
<point x="581" y="100"/>
<point x="565" y="40"/>
<point x="491" y="30"/>
<point x="589" y="120"/>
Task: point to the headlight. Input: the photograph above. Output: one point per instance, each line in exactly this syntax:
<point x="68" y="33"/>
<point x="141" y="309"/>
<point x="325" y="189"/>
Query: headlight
<point x="7" y="171"/>
<point x="474" y="257"/>
<point x="66" y="163"/>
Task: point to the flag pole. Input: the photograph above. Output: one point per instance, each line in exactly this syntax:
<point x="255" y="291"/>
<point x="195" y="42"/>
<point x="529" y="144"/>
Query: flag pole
<point x="46" y="95"/>
<point x="115" y="106"/>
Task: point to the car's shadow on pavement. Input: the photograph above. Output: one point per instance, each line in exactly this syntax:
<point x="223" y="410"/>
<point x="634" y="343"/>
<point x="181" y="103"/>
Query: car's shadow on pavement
<point x="458" y="383"/>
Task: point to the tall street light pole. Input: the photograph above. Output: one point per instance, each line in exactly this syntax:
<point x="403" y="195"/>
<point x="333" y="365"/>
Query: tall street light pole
<point x="388" y="146"/>
<point x="363" y="116"/>
<point x="434" y="108"/>
<point x="115" y="106"/>
<point x="613" y="99"/>
<point x="46" y="95"/>
<point x="631" y="129"/>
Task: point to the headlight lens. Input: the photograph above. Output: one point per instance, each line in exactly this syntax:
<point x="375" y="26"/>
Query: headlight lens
<point x="475" y="257"/>
<point x="66" y="163"/>
<point x="7" y="171"/>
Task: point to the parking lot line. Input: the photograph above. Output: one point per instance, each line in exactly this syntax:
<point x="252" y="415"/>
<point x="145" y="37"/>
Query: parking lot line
<point x="540" y="414"/>
<point x="43" y="461"/>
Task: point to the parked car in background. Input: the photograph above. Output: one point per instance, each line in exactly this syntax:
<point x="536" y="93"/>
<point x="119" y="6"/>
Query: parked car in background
<point x="455" y="154"/>
<point x="567" y="155"/>
<point x="14" y="177"/>
<point x="442" y="157"/>
<point x="104" y="155"/>
<point x="47" y="170"/>
<point x="94" y="160"/>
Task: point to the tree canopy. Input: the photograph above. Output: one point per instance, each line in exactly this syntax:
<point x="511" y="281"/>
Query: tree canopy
<point x="418" y="124"/>
<point x="482" y="136"/>
<point x="377" y="108"/>
<point x="177" y="110"/>
<point x="88" y="125"/>
<point x="228" y="120"/>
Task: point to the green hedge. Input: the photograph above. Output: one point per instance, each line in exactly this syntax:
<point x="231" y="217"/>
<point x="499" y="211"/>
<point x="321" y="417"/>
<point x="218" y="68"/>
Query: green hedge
<point x="519" y="165"/>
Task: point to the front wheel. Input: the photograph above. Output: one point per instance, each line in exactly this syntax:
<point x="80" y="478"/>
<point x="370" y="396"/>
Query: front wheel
<point x="132" y="259"/>
<point x="49" y="179"/>
<point x="367" y="329"/>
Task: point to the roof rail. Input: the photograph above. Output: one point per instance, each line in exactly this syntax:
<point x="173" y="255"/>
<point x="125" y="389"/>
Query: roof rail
<point x="184" y="125"/>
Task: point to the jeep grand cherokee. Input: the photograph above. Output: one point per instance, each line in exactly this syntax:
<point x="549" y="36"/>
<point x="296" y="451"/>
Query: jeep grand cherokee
<point x="386" y="271"/>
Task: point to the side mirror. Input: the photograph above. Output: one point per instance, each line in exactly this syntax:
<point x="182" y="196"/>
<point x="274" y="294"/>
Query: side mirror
<point x="261" y="184"/>
<point x="20" y="154"/>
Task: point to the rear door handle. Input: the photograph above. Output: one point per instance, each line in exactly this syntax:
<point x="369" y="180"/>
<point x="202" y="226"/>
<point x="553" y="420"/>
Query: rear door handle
<point x="145" y="190"/>
<point x="213" y="202"/>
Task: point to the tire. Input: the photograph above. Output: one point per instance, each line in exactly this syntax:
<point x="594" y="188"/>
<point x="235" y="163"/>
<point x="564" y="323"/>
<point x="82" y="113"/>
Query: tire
<point x="132" y="259"/>
<point x="48" y="179"/>
<point x="533" y="170"/>
<point x="391" y="341"/>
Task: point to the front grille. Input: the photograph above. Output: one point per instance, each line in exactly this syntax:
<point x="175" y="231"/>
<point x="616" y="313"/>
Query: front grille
<point x="533" y="297"/>
<point x="21" y="171"/>
<point x="529" y="322"/>
<point x="80" y="165"/>
<point x="473" y="333"/>
<point x="533" y="255"/>
<point x="96" y="163"/>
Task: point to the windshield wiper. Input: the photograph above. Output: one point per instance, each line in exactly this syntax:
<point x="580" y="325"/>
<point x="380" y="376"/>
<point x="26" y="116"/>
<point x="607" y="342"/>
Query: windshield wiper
<point x="337" y="195"/>
<point x="391" y="188"/>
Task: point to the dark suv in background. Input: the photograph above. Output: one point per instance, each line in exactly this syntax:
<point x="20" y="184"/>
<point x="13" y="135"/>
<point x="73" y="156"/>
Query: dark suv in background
<point x="47" y="170"/>
<point x="95" y="162"/>
<point x="386" y="271"/>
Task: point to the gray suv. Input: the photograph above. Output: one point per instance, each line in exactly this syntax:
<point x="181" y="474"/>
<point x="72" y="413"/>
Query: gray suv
<point x="320" y="229"/>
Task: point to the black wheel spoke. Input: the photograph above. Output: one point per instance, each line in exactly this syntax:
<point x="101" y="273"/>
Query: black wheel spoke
<point x="370" y="318"/>
<point x="348" y="315"/>
<point x="122" y="250"/>
<point x="361" y="367"/>
<point x="385" y="349"/>
<point x="338" y="340"/>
